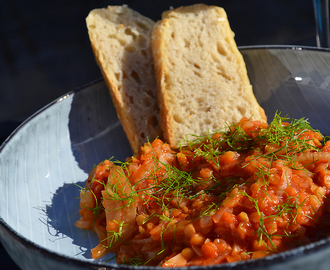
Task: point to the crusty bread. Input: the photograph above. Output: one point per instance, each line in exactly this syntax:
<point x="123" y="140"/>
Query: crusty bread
<point x="121" y="41"/>
<point x="201" y="75"/>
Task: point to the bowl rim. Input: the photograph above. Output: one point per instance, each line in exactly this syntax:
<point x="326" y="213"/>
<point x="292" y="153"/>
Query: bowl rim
<point x="266" y="261"/>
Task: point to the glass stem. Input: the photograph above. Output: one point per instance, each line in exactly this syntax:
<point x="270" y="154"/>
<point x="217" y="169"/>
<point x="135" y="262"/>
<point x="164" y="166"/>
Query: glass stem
<point x="321" y="9"/>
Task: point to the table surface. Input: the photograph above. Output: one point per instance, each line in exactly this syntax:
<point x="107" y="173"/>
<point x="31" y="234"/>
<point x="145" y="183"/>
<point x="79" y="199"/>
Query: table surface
<point x="45" y="50"/>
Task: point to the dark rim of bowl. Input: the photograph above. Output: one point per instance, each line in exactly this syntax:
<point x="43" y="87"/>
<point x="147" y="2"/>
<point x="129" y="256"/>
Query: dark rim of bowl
<point x="275" y="259"/>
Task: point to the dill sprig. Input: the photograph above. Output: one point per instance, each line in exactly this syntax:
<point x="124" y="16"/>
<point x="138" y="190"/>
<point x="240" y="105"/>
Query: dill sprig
<point x="262" y="234"/>
<point x="114" y="236"/>
<point x="284" y="132"/>
<point x="289" y="132"/>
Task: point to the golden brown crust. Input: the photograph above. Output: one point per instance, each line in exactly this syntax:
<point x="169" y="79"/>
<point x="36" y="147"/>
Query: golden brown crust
<point x="159" y="73"/>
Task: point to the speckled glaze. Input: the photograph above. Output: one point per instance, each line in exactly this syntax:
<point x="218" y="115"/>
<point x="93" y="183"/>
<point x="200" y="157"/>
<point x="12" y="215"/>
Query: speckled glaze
<point x="49" y="156"/>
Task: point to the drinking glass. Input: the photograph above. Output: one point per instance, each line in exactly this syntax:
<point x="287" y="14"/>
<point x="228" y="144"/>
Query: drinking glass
<point x="321" y="10"/>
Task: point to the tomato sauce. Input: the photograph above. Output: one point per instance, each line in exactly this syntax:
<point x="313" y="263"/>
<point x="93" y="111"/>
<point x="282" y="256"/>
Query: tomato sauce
<point x="238" y="194"/>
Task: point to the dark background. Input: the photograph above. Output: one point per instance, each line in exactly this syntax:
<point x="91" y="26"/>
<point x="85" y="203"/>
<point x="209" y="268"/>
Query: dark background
<point x="45" y="50"/>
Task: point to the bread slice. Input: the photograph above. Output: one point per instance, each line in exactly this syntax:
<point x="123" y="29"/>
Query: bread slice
<point x="121" y="41"/>
<point x="201" y="75"/>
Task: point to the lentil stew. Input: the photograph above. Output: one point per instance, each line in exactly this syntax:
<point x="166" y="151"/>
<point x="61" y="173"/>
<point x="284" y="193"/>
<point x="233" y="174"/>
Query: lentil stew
<point x="242" y="193"/>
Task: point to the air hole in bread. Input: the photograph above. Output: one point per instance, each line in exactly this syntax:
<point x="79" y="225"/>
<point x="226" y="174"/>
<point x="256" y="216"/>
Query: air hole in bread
<point x="200" y="101"/>
<point x="197" y="66"/>
<point x="190" y="112"/>
<point x="221" y="49"/>
<point x="122" y="42"/>
<point x="117" y="75"/>
<point x="186" y="43"/>
<point x="178" y="118"/>
<point x="129" y="32"/>
<point x="135" y="76"/>
<point x="111" y="36"/>
<point x="197" y="74"/>
<point x="130" y="48"/>
<point x="216" y="57"/>
<point x="224" y="75"/>
<point x="144" y="52"/>
<point x="173" y="35"/>
<point x="167" y="79"/>
<point x="155" y="108"/>
<point x="142" y="26"/>
<point x="146" y="102"/>
<point x="131" y="99"/>
<point x="150" y="93"/>
<point x="152" y="120"/>
<point x="92" y="26"/>
<point x="119" y="13"/>
<point x="220" y="66"/>
<point x="142" y="42"/>
<point x="200" y="42"/>
<point x="228" y="41"/>
<point x="242" y="110"/>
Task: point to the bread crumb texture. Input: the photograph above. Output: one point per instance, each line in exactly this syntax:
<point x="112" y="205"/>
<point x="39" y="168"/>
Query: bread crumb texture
<point x="202" y="78"/>
<point x="120" y="39"/>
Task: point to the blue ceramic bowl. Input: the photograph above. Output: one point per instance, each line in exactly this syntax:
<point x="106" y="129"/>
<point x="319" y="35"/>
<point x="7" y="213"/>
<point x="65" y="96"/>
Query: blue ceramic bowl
<point x="49" y="156"/>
